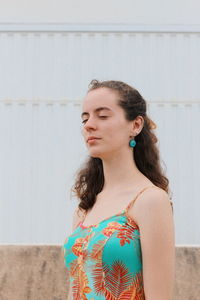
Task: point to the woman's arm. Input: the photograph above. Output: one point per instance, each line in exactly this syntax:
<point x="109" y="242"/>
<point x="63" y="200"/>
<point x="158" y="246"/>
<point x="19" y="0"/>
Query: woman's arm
<point x="155" y="220"/>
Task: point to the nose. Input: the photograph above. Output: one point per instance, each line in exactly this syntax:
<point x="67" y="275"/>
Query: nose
<point x="90" y="124"/>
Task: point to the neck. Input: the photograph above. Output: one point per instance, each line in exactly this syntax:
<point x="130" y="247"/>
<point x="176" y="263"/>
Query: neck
<point x="120" y="171"/>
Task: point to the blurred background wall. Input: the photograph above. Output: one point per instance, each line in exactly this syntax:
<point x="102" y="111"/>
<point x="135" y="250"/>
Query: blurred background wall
<point x="129" y="11"/>
<point x="49" y="52"/>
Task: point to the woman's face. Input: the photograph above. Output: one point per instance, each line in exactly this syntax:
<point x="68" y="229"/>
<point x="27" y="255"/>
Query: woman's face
<point x="104" y="119"/>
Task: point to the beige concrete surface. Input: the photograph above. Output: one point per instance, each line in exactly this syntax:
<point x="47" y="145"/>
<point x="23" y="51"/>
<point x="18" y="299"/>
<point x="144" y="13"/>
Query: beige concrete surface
<point x="187" y="276"/>
<point x="37" y="272"/>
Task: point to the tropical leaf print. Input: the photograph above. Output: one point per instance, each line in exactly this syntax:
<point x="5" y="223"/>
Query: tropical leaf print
<point x="77" y="248"/>
<point x="96" y="252"/>
<point x="96" y="274"/>
<point x="73" y="268"/>
<point x="125" y="234"/>
<point x="131" y="222"/>
<point x="80" y="280"/>
<point x="135" y="290"/>
<point x="138" y="282"/>
<point x="117" y="283"/>
<point x="118" y="278"/>
<point x="80" y="285"/>
<point x="110" y="228"/>
<point x="98" y="279"/>
<point x="111" y="281"/>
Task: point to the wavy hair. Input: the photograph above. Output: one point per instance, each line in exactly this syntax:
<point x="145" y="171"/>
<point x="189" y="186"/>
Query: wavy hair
<point x="90" y="177"/>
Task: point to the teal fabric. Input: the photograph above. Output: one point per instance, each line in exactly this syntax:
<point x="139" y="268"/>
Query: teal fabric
<point x="104" y="261"/>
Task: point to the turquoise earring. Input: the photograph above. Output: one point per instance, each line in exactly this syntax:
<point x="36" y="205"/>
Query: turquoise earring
<point x="132" y="143"/>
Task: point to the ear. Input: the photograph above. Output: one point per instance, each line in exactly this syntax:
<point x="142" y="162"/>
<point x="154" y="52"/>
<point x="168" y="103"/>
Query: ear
<point x="137" y="125"/>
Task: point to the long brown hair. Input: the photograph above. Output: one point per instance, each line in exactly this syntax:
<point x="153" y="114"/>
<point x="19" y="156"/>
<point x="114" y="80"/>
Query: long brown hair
<point x="90" y="177"/>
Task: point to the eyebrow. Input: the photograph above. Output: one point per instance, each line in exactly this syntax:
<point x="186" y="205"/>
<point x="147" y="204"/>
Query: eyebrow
<point x="96" y="110"/>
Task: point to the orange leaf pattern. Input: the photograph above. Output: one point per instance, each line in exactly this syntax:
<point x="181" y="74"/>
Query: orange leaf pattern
<point x="104" y="261"/>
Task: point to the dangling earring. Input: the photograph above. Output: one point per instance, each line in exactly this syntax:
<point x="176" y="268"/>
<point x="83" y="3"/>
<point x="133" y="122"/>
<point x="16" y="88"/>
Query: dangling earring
<point x="132" y="143"/>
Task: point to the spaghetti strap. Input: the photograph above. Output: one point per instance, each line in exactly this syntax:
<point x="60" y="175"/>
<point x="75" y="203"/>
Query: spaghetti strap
<point x="125" y="211"/>
<point x="132" y="201"/>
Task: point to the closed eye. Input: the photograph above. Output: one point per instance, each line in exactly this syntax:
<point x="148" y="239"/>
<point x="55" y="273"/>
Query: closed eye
<point x="102" y="117"/>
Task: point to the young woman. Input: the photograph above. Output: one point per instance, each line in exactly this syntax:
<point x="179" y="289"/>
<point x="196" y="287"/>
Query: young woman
<point x="122" y="245"/>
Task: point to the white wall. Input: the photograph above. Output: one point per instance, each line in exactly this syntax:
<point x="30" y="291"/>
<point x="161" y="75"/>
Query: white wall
<point x="112" y="11"/>
<point x="49" y="51"/>
<point x="40" y="142"/>
<point x="50" y="63"/>
<point x="42" y="148"/>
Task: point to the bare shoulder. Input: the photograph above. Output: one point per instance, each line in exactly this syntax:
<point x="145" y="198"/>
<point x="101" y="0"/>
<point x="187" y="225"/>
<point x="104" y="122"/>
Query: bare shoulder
<point x="150" y="203"/>
<point x="154" y="215"/>
<point x="155" y="196"/>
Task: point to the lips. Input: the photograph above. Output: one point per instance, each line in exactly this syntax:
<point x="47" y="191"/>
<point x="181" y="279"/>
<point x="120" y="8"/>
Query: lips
<point x="93" y="138"/>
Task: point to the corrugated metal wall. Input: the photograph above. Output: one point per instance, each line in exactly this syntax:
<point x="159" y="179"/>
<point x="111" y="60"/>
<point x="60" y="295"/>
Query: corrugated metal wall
<point x="44" y="75"/>
<point x="59" y="64"/>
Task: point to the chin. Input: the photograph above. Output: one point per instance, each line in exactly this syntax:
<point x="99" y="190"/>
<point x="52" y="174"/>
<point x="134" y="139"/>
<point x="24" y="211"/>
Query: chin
<point x="95" y="154"/>
<point x="99" y="153"/>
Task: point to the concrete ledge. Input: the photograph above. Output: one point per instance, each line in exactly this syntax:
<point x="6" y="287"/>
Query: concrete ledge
<point x="187" y="276"/>
<point x="37" y="272"/>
